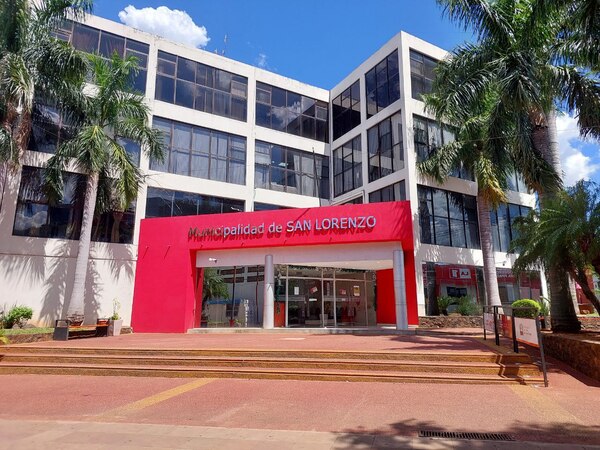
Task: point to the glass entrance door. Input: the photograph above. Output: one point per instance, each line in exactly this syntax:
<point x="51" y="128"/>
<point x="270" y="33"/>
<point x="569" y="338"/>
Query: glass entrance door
<point x="304" y="302"/>
<point x="318" y="297"/>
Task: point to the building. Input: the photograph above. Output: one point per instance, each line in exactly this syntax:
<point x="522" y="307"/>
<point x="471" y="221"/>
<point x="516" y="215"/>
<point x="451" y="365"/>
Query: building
<point x="242" y="139"/>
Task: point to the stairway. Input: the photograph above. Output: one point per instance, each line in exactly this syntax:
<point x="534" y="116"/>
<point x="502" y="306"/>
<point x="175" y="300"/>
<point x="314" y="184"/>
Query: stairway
<point x="370" y="366"/>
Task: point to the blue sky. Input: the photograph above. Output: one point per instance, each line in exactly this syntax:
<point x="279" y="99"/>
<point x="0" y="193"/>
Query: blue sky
<point x="316" y="42"/>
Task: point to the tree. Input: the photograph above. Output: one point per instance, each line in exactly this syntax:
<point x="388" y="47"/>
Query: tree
<point x="33" y="64"/>
<point x="490" y="164"/>
<point x="565" y="235"/>
<point x="213" y="285"/>
<point x="523" y="51"/>
<point x="110" y="111"/>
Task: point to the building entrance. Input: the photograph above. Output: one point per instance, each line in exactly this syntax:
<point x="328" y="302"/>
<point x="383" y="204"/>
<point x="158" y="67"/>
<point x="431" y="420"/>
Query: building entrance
<point x="324" y="297"/>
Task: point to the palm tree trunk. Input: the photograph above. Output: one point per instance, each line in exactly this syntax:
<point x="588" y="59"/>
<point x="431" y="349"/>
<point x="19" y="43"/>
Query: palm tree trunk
<point x="487" y="248"/>
<point x="76" y="305"/>
<point x="562" y="311"/>
<point x="582" y="280"/>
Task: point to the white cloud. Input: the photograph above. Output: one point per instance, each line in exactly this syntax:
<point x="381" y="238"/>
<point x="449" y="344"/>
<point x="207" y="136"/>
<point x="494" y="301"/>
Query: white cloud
<point x="261" y="61"/>
<point x="576" y="165"/>
<point x="169" y="23"/>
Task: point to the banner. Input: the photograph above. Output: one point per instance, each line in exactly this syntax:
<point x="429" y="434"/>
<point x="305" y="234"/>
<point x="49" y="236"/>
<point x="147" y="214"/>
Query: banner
<point x="526" y="331"/>
<point x="488" y="322"/>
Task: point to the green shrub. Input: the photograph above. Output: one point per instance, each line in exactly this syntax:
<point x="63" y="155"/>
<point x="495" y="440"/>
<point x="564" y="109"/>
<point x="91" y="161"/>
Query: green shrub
<point x="544" y="307"/>
<point x="526" y="313"/>
<point x="444" y="302"/>
<point x="467" y="307"/>
<point x="18" y="315"/>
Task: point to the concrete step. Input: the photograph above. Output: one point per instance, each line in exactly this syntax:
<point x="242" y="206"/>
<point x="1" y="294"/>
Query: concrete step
<point x="390" y="355"/>
<point x="259" y="373"/>
<point x="450" y="367"/>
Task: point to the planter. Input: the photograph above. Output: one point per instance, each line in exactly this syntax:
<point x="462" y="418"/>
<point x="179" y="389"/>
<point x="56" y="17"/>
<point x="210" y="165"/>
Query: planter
<point x="114" y="327"/>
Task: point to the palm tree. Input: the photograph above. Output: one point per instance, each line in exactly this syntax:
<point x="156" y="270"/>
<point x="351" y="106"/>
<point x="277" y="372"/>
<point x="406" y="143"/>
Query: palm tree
<point x="565" y="235"/>
<point x="490" y="164"/>
<point x="522" y="52"/>
<point x="33" y="64"/>
<point x="110" y="111"/>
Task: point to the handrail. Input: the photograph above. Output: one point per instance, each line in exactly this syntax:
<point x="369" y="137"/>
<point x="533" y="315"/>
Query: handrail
<point x="496" y="313"/>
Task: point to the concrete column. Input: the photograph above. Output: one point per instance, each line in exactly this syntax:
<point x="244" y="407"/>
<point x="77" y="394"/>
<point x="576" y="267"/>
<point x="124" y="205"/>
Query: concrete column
<point x="400" y="290"/>
<point x="269" y="297"/>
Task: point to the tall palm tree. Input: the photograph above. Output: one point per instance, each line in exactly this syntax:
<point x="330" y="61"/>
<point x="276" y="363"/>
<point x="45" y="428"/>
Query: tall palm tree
<point x="522" y="52"/>
<point x="110" y="111"/>
<point x="490" y="164"/>
<point x="33" y="64"/>
<point x="566" y="235"/>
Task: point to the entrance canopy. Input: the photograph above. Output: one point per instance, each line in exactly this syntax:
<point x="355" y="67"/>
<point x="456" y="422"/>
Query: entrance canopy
<point x="171" y="250"/>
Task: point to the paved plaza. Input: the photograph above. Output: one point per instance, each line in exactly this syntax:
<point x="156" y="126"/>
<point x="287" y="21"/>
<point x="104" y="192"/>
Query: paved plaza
<point x="52" y="411"/>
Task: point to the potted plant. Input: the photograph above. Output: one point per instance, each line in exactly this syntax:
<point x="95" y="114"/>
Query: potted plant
<point x="116" y="323"/>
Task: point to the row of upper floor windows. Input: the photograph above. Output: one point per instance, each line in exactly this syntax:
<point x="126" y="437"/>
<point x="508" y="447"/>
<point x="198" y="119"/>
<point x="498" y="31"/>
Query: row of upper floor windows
<point x="445" y="218"/>
<point x="215" y="155"/>
<point x="194" y="85"/>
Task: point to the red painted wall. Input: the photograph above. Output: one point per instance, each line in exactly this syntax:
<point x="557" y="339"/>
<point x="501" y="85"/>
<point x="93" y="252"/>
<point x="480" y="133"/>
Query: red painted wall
<point x="386" y="305"/>
<point x="165" y="293"/>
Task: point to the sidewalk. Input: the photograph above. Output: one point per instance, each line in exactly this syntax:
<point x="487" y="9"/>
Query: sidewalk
<point x="42" y="435"/>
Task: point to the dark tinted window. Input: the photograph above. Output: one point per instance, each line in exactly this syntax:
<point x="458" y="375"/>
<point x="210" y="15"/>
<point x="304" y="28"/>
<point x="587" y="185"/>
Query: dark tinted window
<point x="290" y="112"/>
<point x="447" y="218"/>
<point x="201" y="152"/>
<point x="503" y="231"/>
<point x="347" y="167"/>
<point x="394" y="193"/>
<point x="386" y="154"/>
<point x="167" y="203"/>
<point x="36" y="216"/>
<point x="346" y="110"/>
<point x="429" y="136"/>
<point x="194" y="85"/>
<point x="421" y="74"/>
<point x="382" y="84"/>
<point x="289" y="170"/>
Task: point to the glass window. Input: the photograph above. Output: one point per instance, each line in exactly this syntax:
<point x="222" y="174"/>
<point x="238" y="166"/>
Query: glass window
<point x="429" y="136"/>
<point x="386" y="153"/>
<point x="346" y="110"/>
<point x="382" y="84"/>
<point x="201" y="87"/>
<point x="290" y="112"/>
<point x="285" y="169"/>
<point x="201" y="152"/>
<point x="347" y="167"/>
<point x="395" y="192"/>
<point x="37" y="216"/>
<point x="447" y="218"/>
<point x="49" y="128"/>
<point x="503" y="230"/>
<point x="421" y="74"/>
<point x="167" y="203"/>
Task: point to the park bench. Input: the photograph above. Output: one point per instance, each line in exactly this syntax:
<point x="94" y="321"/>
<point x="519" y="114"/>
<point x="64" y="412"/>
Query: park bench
<point x="65" y="329"/>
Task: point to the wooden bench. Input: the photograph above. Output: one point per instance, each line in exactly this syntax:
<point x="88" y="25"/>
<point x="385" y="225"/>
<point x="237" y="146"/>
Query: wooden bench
<point x="64" y="329"/>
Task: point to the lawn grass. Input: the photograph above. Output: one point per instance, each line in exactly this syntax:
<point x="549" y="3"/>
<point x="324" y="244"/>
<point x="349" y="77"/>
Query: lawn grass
<point x="17" y="331"/>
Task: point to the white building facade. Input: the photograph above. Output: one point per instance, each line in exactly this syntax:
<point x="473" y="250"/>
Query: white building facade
<point x="240" y="138"/>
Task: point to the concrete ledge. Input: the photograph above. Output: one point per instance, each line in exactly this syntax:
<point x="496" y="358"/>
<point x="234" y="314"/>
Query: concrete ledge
<point x="580" y="351"/>
<point x="450" y="322"/>
<point x="356" y="331"/>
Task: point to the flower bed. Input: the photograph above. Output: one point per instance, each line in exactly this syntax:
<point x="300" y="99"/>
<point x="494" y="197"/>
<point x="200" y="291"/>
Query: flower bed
<point x="450" y="322"/>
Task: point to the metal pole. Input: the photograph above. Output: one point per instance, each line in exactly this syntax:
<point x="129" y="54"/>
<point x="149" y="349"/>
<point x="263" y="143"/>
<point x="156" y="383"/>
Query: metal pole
<point x="541" y="341"/>
<point x="514" y="331"/>
<point x="484" y="335"/>
<point x="496" y="332"/>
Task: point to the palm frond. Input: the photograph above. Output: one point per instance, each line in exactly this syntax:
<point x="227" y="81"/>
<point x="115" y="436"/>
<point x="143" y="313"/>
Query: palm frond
<point x="484" y="18"/>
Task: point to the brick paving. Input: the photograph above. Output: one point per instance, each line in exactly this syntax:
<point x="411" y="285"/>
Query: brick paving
<point x="231" y="413"/>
